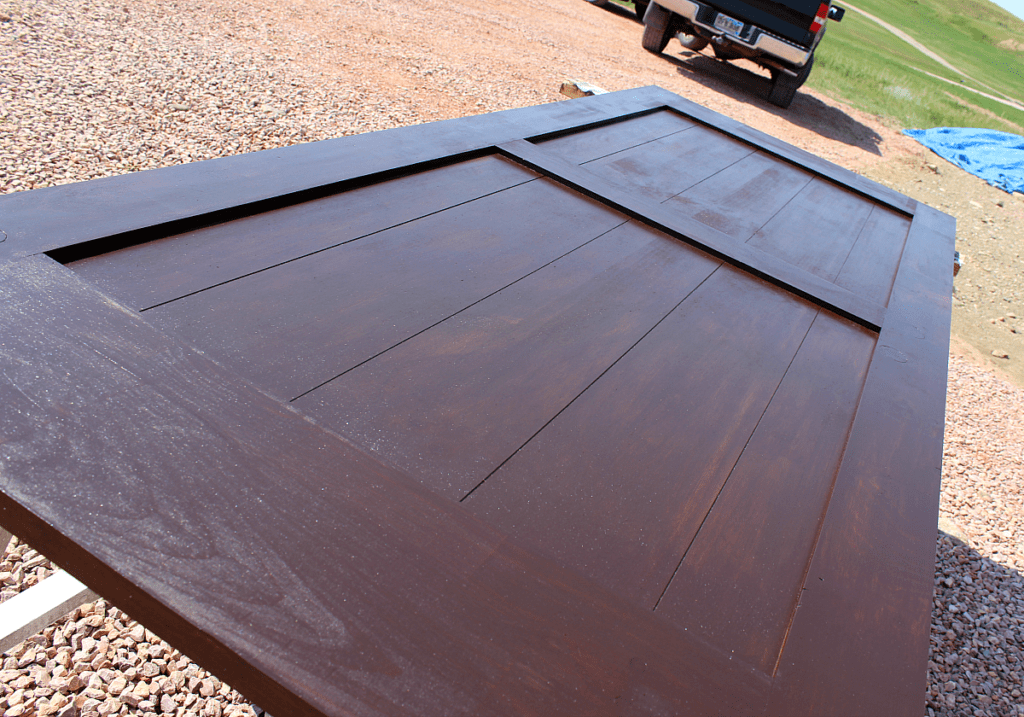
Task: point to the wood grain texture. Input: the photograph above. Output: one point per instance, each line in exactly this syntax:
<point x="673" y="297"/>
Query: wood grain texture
<point x="817" y="229"/>
<point x="587" y="145"/>
<point x="866" y="602"/>
<point x="743" y="256"/>
<point x="374" y="596"/>
<point x="300" y="324"/>
<point x="740" y="581"/>
<point x="153" y="273"/>
<point x="453" y="403"/>
<point x="619" y="483"/>
<point x="665" y="167"/>
<point x="743" y="197"/>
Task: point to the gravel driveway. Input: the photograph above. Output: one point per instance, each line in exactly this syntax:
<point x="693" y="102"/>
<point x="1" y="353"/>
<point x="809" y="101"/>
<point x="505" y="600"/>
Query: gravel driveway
<point x="90" y="89"/>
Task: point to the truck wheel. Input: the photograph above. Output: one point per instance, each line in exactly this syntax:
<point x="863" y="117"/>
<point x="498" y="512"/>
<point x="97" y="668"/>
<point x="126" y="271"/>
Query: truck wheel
<point x="695" y="43"/>
<point x="657" y="29"/>
<point x="784" y="87"/>
<point x="782" y="92"/>
<point x="640" y="6"/>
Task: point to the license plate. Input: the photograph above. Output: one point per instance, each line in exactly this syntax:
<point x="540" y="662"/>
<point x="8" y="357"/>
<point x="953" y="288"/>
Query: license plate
<point x="728" y="24"/>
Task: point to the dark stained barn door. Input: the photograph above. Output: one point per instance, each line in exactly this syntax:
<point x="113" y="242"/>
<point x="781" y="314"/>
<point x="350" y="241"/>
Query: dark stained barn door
<point x="613" y="406"/>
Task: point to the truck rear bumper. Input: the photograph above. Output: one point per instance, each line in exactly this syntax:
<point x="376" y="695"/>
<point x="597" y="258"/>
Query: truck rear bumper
<point x="761" y="41"/>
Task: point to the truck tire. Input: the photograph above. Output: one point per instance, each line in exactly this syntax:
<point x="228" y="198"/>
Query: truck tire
<point x="640" y="6"/>
<point x="657" y="29"/>
<point x="784" y="87"/>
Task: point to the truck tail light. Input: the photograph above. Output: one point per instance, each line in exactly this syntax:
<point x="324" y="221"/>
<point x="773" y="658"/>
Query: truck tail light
<point x="820" y="18"/>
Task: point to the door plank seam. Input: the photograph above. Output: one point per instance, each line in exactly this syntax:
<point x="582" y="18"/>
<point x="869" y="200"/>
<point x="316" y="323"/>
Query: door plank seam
<point x="464" y="308"/>
<point x="626" y="116"/>
<point x="335" y="246"/>
<point x="639" y="144"/>
<point x="780" y="209"/>
<point x="853" y="246"/>
<point x="821" y="518"/>
<point x="77" y="250"/>
<point x="738" y="457"/>
<point x="587" y="387"/>
<point x="710" y="176"/>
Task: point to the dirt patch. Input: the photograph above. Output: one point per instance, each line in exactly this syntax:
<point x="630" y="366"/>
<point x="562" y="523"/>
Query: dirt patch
<point x="480" y="57"/>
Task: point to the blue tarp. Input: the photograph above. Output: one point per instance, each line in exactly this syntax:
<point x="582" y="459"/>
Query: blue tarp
<point x="996" y="157"/>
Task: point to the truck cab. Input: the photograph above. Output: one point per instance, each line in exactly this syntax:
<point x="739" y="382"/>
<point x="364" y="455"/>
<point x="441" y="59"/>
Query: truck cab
<point x="780" y="35"/>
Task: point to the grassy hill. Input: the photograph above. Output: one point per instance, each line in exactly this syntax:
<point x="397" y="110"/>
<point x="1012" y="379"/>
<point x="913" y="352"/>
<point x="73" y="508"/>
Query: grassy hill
<point x="978" y="34"/>
<point x="873" y="70"/>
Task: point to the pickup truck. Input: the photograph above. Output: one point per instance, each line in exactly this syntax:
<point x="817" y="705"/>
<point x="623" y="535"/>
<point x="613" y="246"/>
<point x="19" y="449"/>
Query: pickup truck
<point x="779" y="35"/>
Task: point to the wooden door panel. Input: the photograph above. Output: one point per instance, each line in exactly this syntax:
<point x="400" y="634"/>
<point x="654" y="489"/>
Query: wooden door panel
<point x="793" y="155"/>
<point x="741" y="577"/>
<point x="591" y="144"/>
<point x="453" y="403"/>
<point x="300" y="324"/>
<point x="618" y="484"/>
<point x="156" y="272"/>
<point x="709" y="468"/>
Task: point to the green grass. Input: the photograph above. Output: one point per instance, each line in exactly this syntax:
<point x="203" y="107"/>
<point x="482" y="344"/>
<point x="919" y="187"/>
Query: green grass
<point x="871" y="69"/>
<point x="965" y="32"/>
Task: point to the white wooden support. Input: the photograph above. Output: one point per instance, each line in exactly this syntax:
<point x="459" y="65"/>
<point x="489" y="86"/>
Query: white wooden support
<point x="33" y="610"/>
